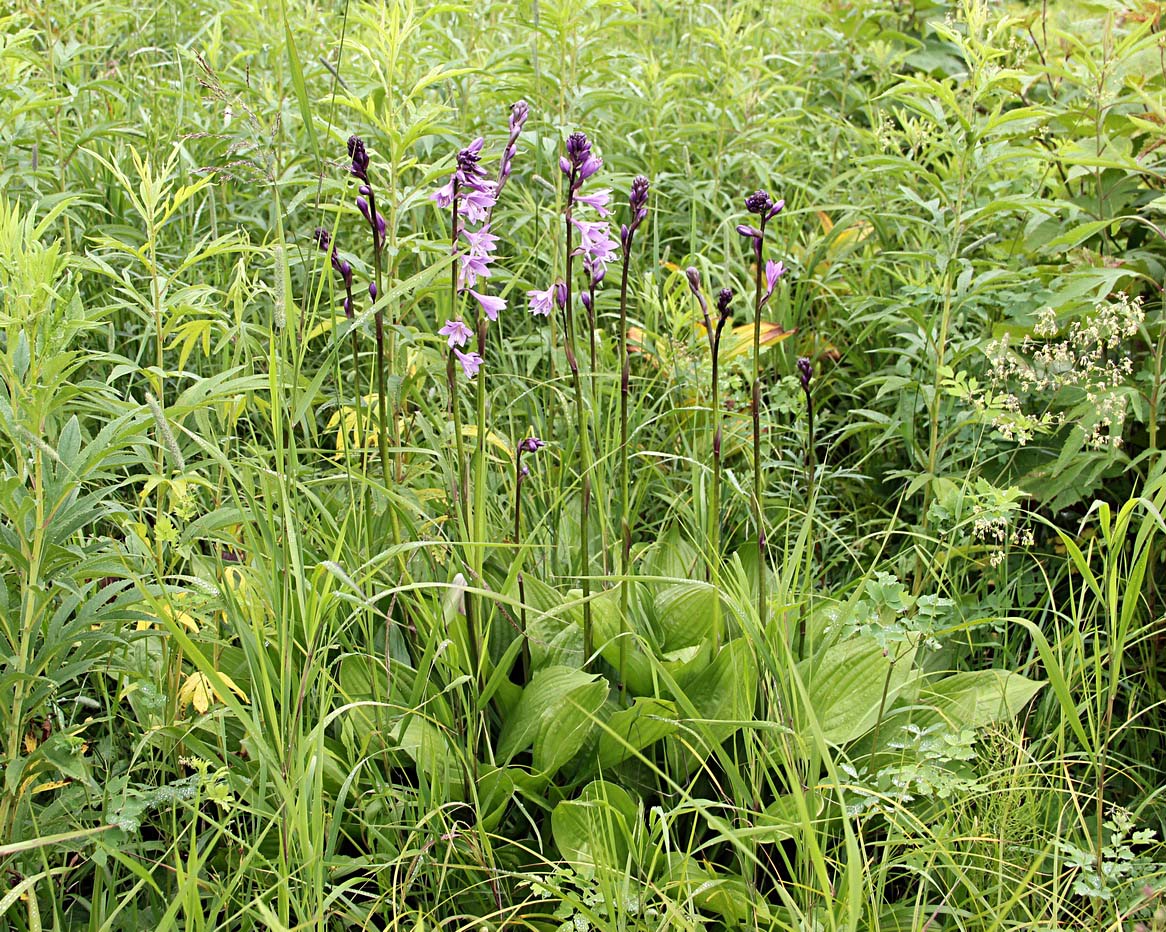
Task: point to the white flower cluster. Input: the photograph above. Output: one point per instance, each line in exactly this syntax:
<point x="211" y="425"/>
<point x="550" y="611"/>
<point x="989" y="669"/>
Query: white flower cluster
<point x="1088" y="356"/>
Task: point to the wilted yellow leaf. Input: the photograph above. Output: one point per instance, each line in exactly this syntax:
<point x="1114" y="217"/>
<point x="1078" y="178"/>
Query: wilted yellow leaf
<point x="740" y="340"/>
<point x="198" y="691"/>
<point x="51" y="785"/>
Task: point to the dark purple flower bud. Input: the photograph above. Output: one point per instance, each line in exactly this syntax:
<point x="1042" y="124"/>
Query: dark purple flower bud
<point x="362" y="206"/>
<point x="775" y="210"/>
<point x="586" y="299"/>
<point x="806" y="371"/>
<point x="519" y="111"/>
<point x="598" y="273"/>
<point x="759" y="202"/>
<point x="359" y="156"/>
<point x="531" y="445"/>
<point x="467" y="159"/>
<point x="638" y="198"/>
<point x="625" y="234"/>
<point x="564" y="165"/>
<point x="345" y="271"/>
<point x="347" y="305"/>
<point x="561" y="294"/>
<point x="693" y="276"/>
<point x="578" y="148"/>
<point x="724" y="299"/>
<point x="372" y="290"/>
<point x="323" y="238"/>
<point x="745" y="230"/>
<point x="365" y="190"/>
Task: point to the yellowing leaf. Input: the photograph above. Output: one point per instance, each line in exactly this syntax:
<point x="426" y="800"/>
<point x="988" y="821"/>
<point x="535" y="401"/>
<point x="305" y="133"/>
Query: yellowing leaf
<point x="740" y="340"/>
<point x="198" y="691"/>
<point x="51" y="785"/>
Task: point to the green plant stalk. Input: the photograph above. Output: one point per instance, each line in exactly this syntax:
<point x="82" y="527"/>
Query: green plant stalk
<point x="584" y="446"/>
<point x="625" y="505"/>
<point x="715" y="503"/>
<point x="758" y="479"/>
<point x="379" y="319"/>
<point x="480" y="531"/>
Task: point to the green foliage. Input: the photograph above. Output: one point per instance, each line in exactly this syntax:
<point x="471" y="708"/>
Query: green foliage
<point x="276" y="646"/>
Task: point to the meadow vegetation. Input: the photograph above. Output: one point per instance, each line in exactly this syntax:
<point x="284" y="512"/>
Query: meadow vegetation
<point x="611" y="465"/>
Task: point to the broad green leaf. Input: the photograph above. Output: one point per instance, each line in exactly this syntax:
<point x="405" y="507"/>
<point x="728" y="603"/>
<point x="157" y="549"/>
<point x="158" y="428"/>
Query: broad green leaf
<point x="684" y="614"/>
<point x="633" y="729"/>
<point x="596" y="829"/>
<point x="431" y="751"/>
<point x="976" y="699"/>
<point x="846" y="684"/>
<point x="555" y="714"/>
<point x="725" y="692"/>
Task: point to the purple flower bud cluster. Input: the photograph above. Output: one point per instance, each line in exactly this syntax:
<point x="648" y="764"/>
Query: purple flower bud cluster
<point x="366" y="201"/>
<point x="724" y="299"/>
<point x="638" y="204"/>
<point x="342" y="267"/>
<point x="805" y="373"/>
<point x="766" y="208"/>
<point x="579" y="163"/>
<point x="519" y="111"/>
<point x="359" y="156"/>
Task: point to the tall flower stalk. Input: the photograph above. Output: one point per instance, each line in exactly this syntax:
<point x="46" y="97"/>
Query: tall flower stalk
<point x="367" y="204"/>
<point x="638" y="209"/>
<point x="343" y="268"/>
<point x="578" y="165"/>
<point x="763" y="206"/>
<point x="713" y="333"/>
<point x="806" y="374"/>
<point x="470" y="198"/>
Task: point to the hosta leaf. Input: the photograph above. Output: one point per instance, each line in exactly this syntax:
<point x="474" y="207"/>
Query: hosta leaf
<point x="555" y="714"/>
<point x="976" y="699"/>
<point x="845" y="685"/>
<point x="633" y="729"/>
<point x="429" y="748"/>
<point x="684" y="614"/>
<point x="596" y="828"/>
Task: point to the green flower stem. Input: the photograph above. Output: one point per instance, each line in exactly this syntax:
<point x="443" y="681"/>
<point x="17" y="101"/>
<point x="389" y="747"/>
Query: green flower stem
<point x="584" y="447"/>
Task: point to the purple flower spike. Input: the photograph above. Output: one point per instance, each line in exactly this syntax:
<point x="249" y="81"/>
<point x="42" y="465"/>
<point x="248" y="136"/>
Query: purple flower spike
<point x="457" y="332"/>
<point x="519" y="111"/>
<point x="638" y="198"/>
<point x="759" y="202"/>
<point x="491" y="306"/>
<point x="806" y="371"/>
<point x="471" y="362"/>
<point x="323" y="238"/>
<point x="724" y="299"/>
<point x="530" y="445"/>
<point x="359" y="156"/>
<point x="578" y="148"/>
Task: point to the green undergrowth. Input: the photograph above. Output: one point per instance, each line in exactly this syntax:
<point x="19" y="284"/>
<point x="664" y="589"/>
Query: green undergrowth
<point x="840" y="609"/>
